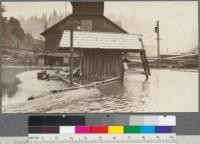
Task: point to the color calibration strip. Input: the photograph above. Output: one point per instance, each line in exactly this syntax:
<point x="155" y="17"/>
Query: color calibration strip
<point x="153" y="120"/>
<point x="112" y="125"/>
<point x="136" y="120"/>
<point x="100" y="129"/>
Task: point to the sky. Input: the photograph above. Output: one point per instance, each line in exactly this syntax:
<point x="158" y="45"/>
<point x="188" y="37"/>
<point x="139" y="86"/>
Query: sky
<point x="178" y="20"/>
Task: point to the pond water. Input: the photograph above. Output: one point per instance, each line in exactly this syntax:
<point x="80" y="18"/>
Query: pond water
<point x="23" y="84"/>
<point x="165" y="91"/>
<point x="10" y="81"/>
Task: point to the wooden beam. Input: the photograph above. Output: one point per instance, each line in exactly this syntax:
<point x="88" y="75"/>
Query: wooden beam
<point x="143" y="64"/>
<point x="85" y="86"/>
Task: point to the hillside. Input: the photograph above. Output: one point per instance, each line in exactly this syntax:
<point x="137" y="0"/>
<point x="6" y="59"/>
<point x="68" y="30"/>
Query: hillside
<point x="15" y="40"/>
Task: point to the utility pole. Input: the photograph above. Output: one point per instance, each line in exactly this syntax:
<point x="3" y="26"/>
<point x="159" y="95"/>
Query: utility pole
<point x="65" y="8"/>
<point x="71" y="51"/>
<point x="157" y="30"/>
<point x="45" y="24"/>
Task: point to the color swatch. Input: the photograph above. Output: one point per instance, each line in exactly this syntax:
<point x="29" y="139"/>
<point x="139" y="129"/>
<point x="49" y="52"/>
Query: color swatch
<point x="115" y="129"/>
<point x="131" y="129"/>
<point x="67" y="129"/>
<point x="101" y="129"/>
<point x="82" y="129"/>
<point x="147" y="129"/>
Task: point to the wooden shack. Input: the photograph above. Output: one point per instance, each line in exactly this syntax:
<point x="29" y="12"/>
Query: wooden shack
<point x="88" y="16"/>
<point x="98" y="42"/>
<point x="101" y="52"/>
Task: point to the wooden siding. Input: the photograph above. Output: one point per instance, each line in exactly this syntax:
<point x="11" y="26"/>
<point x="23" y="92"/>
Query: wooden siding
<point x="101" y="64"/>
<point x="53" y="36"/>
<point x="91" y="8"/>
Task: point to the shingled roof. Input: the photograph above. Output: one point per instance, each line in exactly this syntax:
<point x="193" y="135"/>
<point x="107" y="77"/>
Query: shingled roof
<point x="101" y="40"/>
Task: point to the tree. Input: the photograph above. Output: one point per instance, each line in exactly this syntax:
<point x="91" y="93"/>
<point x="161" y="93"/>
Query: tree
<point x="3" y="9"/>
<point x="16" y="28"/>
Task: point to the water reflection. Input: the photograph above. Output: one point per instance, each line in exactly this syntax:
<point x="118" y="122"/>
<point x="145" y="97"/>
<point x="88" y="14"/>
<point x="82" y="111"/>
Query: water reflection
<point x="129" y="96"/>
<point x="165" y="91"/>
<point x="9" y="81"/>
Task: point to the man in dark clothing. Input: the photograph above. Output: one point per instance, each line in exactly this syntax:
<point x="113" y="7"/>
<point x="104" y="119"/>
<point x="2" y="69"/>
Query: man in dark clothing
<point x="124" y="65"/>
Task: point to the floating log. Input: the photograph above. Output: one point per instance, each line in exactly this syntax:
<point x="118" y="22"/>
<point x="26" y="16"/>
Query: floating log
<point x="76" y="87"/>
<point x="86" y="86"/>
<point x="106" y="81"/>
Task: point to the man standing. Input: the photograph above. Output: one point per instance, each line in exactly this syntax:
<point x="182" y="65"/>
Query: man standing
<point x="124" y="65"/>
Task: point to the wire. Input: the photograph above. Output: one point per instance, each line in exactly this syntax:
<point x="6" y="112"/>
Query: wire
<point x="148" y="36"/>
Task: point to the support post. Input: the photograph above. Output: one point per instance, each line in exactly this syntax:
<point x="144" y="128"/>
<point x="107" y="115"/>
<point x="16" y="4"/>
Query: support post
<point x="158" y="43"/>
<point x="143" y="64"/>
<point x="144" y="59"/>
<point x="71" y="51"/>
<point x="80" y="56"/>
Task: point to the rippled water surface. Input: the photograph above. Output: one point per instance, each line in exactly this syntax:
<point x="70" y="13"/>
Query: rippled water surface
<point x="165" y="91"/>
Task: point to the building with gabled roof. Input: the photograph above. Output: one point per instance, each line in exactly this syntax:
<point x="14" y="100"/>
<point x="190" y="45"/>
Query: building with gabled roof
<point x="86" y="15"/>
<point x="98" y="42"/>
